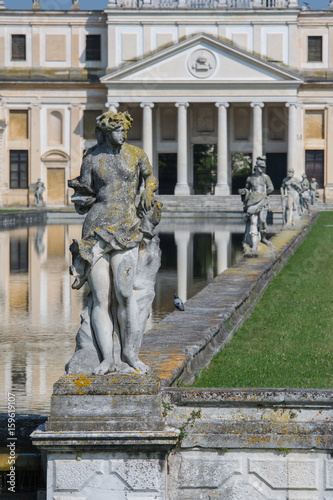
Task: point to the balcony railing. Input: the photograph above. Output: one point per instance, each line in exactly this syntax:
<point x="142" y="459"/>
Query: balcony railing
<point x="203" y="4"/>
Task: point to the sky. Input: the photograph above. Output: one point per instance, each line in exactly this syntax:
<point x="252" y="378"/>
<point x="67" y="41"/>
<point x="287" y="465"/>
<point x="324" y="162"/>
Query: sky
<point x="101" y="4"/>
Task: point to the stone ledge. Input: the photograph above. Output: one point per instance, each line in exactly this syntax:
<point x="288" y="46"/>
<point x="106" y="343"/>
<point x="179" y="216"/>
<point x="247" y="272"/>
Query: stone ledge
<point x="303" y="398"/>
<point x="184" y="343"/>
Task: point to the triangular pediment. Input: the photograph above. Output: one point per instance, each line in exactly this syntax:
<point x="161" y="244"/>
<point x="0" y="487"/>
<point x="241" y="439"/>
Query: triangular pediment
<point x="202" y="59"/>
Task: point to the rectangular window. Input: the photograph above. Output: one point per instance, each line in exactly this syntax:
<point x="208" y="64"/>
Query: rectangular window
<point x="18" y="125"/>
<point x="314" y="165"/>
<point x="314" y="125"/>
<point x="18" y="48"/>
<point x="315" y="48"/>
<point x="18" y="162"/>
<point x="93" y="47"/>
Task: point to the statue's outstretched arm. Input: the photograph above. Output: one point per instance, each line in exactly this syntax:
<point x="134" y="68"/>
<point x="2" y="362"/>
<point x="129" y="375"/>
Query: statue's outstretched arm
<point x="84" y="195"/>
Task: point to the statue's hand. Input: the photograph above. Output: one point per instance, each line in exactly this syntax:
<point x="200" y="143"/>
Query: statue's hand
<point x="147" y="199"/>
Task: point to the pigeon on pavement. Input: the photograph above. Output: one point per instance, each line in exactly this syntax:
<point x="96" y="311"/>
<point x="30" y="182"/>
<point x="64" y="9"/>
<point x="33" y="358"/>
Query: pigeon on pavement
<point x="178" y="303"/>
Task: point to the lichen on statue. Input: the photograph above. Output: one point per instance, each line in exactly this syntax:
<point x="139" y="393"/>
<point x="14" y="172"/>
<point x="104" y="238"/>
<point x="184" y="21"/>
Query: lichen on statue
<point x="119" y="253"/>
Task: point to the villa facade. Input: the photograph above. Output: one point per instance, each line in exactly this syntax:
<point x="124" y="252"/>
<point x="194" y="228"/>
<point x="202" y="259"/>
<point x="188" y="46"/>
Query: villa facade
<point x="219" y="77"/>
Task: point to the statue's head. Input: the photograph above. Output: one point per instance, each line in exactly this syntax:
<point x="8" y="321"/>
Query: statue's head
<point x="114" y="126"/>
<point x="303" y="176"/>
<point x="260" y="164"/>
<point x="290" y="172"/>
<point x="109" y="121"/>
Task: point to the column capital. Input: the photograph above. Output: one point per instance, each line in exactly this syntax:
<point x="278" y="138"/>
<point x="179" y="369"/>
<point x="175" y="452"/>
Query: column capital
<point x="219" y="104"/>
<point x="144" y="104"/>
<point x="261" y="104"/>
<point x="112" y="104"/>
<point x="289" y="104"/>
<point x="178" y="104"/>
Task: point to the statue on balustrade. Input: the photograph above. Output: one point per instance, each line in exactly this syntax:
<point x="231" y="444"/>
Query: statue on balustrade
<point x="256" y="204"/>
<point x="118" y="255"/>
<point x="291" y="191"/>
<point x="314" y="191"/>
<point x="305" y="196"/>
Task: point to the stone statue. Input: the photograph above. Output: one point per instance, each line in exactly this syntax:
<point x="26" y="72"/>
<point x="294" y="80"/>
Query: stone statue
<point x="39" y="190"/>
<point x="290" y="194"/>
<point x="75" y="4"/>
<point x="305" y="197"/>
<point x="119" y="253"/>
<point x="36" y="4"/>
<point x="255" y="204"/>
<point x="313" y="191"/>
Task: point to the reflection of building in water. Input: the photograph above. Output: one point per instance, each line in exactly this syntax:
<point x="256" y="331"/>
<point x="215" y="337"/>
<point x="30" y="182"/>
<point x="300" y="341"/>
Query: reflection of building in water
<point x="40" y="313"/>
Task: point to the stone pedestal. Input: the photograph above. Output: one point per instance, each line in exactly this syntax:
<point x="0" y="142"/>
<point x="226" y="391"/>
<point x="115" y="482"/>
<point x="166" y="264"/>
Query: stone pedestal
<point x="106" y="438"/>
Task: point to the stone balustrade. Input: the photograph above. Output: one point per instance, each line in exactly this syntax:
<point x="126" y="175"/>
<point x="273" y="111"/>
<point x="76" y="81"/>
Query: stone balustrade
<point x="204" y="4"/>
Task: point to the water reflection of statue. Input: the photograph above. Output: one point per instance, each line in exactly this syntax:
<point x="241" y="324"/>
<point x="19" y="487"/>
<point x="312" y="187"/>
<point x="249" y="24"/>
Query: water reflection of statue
<point x="290" y="194"/>
<point x="118" y="254"/>
<point x="256" y="203"/>
<point x="39" y="190"/>
<point x="313" y="191"/>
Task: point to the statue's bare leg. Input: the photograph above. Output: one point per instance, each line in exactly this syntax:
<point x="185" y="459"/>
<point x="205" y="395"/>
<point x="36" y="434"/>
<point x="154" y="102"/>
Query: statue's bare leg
<point x="123" y="265"/>
<point x="99" y="283"/>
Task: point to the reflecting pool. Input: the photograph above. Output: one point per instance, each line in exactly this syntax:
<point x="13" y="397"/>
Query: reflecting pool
<point x="40" y="313"/>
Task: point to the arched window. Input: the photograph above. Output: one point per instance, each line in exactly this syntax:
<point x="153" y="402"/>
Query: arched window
<point x="54" y="128"/>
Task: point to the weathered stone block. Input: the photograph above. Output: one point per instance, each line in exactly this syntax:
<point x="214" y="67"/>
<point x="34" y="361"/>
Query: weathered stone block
<point x="106" y="403"/>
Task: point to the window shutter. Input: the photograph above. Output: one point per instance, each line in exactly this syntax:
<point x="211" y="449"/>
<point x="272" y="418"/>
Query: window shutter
<point x="18" y="48"/>
<point x="315" y="49"/>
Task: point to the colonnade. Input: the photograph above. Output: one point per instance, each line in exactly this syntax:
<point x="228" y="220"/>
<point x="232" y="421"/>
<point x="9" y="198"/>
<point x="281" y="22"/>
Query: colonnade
<point x="222" y="187"/>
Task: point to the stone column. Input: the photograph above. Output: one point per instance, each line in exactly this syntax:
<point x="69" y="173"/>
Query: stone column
<point x="112" y="106"/>
<point x="182" y="187"/>
<point x="329" y="154"/>
<point x="182" y="239"/>
<point x="76" y="146"/>
<point x="35" y="170"/>
<point x="222" y="187"/>
<point x="257" y="131"/>
<point x="148" y="129"/>
<point x="292" y="136"/>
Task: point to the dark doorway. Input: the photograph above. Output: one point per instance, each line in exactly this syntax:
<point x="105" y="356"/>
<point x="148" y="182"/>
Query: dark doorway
<point x="167" y="172"/>
<point x="314" y="165"/>
<point x="276" y="168"/>
<point x="204" y="168"/>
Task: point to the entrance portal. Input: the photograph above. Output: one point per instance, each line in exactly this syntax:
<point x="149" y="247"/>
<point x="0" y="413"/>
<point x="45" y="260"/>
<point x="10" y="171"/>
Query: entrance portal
<point x="276" y="168"/>
<point x="204" y="168"/>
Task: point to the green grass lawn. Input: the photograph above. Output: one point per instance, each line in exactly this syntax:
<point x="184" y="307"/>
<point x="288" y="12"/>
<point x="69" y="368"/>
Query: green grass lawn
<point x="288" y="340"/>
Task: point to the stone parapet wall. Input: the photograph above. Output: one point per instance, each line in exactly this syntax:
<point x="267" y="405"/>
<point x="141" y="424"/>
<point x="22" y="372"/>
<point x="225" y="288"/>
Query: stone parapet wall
<point x="250" y="444"/>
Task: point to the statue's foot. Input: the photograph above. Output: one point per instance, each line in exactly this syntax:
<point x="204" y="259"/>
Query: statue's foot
<point x="122" y="367"/>
<point x="105" y="367"/>
<point x="141" y="367"/>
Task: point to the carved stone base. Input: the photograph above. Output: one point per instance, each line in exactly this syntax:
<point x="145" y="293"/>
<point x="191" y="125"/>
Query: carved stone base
<point x="83" y="403"/>
<point x="106" y="438"/>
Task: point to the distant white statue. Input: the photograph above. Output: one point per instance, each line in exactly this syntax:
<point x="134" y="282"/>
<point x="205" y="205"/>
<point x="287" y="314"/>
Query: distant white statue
<point x="305" y="197"/>
<point x="36" y="4"/>
<point x="256" y="204"/>
<point x="291" y="206"/>
<point x="39" y="190"/>
<point x="314" y="191"/>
